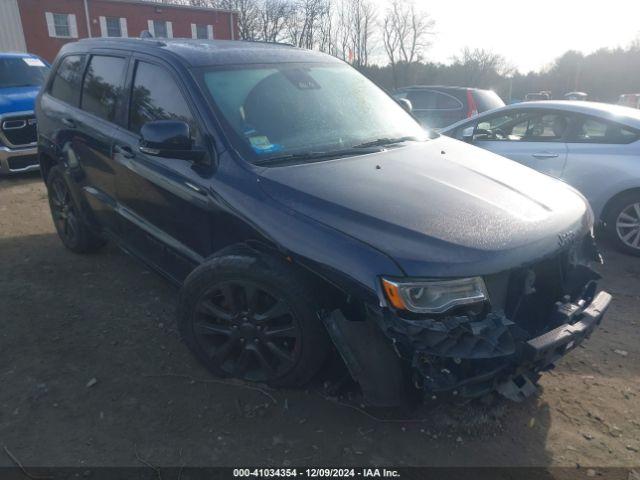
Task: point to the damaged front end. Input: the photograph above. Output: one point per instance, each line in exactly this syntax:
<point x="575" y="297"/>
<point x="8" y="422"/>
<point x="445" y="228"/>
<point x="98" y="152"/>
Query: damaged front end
<point x="523" y="320"/>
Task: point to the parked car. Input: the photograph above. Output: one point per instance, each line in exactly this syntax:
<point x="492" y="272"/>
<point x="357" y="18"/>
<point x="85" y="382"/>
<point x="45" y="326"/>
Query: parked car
<point x="580" y="96"/>
<point x="536" y="97"/>
<point x="592" y="146"/>
<point x="296" y="203"/>
<point x="21" y="76"/>
<point x="438" y="106"/>
<point x="630" y="100"/>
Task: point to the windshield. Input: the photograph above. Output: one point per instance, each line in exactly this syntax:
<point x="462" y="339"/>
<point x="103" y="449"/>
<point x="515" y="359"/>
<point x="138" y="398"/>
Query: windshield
<point x="22" y="72"/>
<point x="278" y="110"/>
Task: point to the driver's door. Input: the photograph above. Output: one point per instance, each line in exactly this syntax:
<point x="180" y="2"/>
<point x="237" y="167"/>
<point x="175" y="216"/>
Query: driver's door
<point x="533" y="138"/>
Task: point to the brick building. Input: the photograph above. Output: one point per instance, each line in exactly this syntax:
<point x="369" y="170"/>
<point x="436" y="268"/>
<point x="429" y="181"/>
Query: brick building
<point x="43" y="26"/>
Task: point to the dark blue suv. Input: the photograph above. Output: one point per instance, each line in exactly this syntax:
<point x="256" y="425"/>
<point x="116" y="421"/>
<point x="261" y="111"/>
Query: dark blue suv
<point x="302" y="211"/>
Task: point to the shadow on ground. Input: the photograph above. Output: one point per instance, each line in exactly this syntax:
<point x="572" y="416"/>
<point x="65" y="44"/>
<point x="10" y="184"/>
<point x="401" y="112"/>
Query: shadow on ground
<point x="69" y="319"/>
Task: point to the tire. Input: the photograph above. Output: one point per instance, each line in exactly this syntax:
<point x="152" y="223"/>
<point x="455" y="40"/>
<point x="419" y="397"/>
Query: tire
<point x="73" y="232"/>
<point x="623" y="223"/>
<point x="250" y="316"/>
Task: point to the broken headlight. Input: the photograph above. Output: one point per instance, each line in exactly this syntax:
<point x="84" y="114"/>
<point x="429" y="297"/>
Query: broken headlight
<point x="437" y="296"/>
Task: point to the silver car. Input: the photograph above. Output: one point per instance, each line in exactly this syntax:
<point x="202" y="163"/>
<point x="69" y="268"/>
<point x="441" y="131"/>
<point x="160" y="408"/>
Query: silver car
<point x="594" y="147"/>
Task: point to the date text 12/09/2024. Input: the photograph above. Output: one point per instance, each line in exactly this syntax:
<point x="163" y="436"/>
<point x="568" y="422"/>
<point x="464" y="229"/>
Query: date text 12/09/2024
<point x="316" y="472"/>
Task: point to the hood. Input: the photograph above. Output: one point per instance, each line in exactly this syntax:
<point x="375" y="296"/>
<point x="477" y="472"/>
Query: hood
<point x="439" y="208"/>
<point x="17" y="99"/>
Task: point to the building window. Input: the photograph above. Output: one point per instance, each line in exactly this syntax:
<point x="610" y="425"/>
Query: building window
<point x="161" y="29"/>
<point x="61" y="25"/>
<point x="113" y="27"/>
<point x="202" y="32"/>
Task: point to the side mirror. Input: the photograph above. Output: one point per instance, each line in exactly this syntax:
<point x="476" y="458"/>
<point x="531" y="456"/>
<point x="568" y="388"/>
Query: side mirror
<point x="467" y="134"/>
<point x="406" y="104"/>
<point x="169" y="139"/>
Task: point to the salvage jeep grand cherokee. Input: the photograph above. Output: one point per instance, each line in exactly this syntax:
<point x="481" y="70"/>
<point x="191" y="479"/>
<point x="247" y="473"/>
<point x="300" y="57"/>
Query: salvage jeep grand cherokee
<point x="297" y="204"/>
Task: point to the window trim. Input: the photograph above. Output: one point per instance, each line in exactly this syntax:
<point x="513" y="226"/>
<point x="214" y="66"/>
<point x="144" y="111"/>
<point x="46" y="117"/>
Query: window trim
<point x="167" y="24"/>
<point x="194" y="31"/>
<point x="72" y="24"/>
<point x="104" y="27"/>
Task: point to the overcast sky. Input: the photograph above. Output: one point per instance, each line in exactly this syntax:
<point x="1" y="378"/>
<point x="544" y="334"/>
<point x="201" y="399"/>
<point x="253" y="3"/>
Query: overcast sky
<point x="530" y="34"/>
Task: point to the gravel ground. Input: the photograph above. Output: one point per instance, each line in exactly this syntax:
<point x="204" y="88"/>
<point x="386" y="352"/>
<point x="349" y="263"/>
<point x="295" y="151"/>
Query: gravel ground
<point x="92" y="373"/>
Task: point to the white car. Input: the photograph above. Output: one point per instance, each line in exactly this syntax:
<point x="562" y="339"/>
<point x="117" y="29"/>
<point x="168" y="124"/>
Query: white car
<point x="594" y="147"/>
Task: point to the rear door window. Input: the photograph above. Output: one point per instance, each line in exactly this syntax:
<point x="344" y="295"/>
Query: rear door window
<point x="521" y="126"/>
<point x="594" y="130"/>
<point x="67" y="80"/>
<point x="423" y="100"/>
<point x="447" y="102"/>
<point x="103" y="86"/>
<point x="156" y="96"/>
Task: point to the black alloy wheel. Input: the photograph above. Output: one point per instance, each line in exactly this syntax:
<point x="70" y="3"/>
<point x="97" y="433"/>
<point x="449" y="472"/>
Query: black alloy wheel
<point x="72" y="230"/>
<point x="64" y="213"/>
<point x="247" y="331"/>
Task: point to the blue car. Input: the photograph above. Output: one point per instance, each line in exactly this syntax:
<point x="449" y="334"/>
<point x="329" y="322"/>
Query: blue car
<point x="21" y="76"/>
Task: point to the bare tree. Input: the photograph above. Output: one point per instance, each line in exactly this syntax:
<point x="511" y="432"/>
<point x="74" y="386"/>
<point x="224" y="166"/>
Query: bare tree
<point x="304" y="26"/>
<point x="273" y="15"/>
<point x="481" y="67"/>
<point x="248" y="16"/>
<point x="405" y="31"/>
<point x="361" y="24"/>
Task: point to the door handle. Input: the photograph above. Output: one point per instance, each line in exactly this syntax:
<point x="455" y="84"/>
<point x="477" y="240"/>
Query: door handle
<point x="125" y="151"/>
<point x="69" y="122"/>
<point x="195" y="188"/>
<point x="541" y="155"/>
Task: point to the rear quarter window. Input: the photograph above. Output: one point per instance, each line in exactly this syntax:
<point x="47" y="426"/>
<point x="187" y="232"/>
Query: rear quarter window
<point x="447" y="102"/>
<point x="67" y="79"/>
<point x="593" y="130"/>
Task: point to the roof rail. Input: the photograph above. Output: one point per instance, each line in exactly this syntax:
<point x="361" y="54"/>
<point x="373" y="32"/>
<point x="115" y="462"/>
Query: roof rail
<point x="283" y="44"/>
<point x="148" y="41"/>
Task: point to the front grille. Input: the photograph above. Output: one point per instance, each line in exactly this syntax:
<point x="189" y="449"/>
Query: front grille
<point x="19" y="130"/>
<point x="19" y="163"/>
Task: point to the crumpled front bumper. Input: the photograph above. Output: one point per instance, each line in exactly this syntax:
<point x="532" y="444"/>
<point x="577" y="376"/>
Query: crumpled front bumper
<point x="512" y="374"/>
<point x="456" y="357"/>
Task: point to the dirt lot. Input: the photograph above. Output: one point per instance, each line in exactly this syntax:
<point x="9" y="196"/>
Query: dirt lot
<point x="92" y="373"/>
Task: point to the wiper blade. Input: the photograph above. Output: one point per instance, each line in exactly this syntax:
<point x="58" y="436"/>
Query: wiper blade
<point x="381" y="142"/>
<point x="295" y="157"/>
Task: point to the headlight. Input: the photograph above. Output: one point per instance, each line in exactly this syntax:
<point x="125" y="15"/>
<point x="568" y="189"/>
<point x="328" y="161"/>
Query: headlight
<point x="434" y="296"/>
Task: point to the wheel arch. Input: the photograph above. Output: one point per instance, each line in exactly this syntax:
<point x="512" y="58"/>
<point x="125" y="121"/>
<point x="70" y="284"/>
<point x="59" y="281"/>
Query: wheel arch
<point x="47" y="162"/>
<point x="335" y="291"/>
<point x="606" y="210"/>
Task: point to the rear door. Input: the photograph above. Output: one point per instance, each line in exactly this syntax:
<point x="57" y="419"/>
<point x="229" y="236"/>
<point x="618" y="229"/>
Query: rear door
<point x="535" y="138"/>
<point x="101" y="96"/>
<point x="164" y="202"/>
<point x="603" y="159"/>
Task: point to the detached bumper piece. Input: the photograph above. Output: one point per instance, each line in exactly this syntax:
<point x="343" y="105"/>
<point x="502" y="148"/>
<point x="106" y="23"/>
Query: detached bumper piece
<point x="512" y="375"/>
<point x="552" y="345"/>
